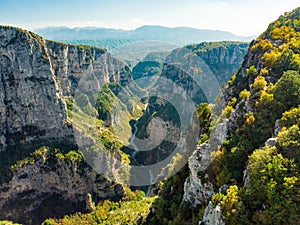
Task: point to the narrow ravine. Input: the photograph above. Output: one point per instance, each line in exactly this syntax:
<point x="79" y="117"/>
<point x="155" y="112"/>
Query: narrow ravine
<point x="135" y="151"/>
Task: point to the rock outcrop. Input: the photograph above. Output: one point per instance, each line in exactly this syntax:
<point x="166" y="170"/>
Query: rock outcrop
<point x="197" y="188"/>
<point x="212" y="215"/>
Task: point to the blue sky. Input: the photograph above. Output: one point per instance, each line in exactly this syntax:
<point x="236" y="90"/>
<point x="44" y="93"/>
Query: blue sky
<point x="241" y="17"/>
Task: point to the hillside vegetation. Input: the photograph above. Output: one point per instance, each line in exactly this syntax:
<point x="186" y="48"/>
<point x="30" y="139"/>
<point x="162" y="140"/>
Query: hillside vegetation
<point x="259" y="163"/>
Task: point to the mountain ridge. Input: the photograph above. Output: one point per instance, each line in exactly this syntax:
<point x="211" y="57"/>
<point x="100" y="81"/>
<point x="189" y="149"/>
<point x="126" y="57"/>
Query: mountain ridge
<point x="157" y="33"/>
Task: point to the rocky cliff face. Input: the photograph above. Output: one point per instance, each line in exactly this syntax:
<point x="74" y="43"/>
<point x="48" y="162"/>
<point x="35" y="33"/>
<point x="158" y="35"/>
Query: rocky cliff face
<point x="197" y="189"/>
<point x="37" y="78"/>
<point x="53" y="184"/>
<point x="222" y="58"/>
<point x="32" y="107"/>
<point x="196" y="74"/>
<point x="36" y="75"/>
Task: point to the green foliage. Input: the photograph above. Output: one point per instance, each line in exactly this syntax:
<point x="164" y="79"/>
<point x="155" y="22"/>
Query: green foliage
<point x="287" y="90"/>
<point x="244" y="95"/>
<point x="217" y="171"/>
<point x="232" y="79"/>
<point x="265" y="98"/>
<point x="169" y="208"/>
<point x="289" y="137"/>
<point x="50" y="157"/>
<point x="287" y="21"/>
<point x="230" y="201"/>
<point x="204" y="115"/>
<point x="252" y="71"/>
<point x="274" y="187"/>
<point x="110" y="141"/>
<point x="127" y="211"/>
<point x="70" y="102"/>
<point x="217" y="198"/>
<point x="5" y="222"/>
<point x="253" y="130"/>
<point x="227" y="111"/>
<point x="104" y="104"/>
<point x="262" y="45"/>
<point x="290" y="118"/>
<point x="259" y="83"/>
<point x="272" y="195"/>
<point x="283" y="33"/>
<point x="47" y="222"/>
<point x="10" y="157"/>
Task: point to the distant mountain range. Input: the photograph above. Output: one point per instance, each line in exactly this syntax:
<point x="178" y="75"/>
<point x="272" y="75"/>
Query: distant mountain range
<point x="131" y="46"/>
<point x="179" y="35"/>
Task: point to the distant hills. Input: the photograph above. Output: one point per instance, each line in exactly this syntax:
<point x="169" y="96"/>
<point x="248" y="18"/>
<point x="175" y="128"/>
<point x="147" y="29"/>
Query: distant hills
<point x="131" y="46"/>
<point x="177" y="36"/>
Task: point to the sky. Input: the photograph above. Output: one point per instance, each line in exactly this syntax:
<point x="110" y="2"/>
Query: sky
<point x="245" y="18"/>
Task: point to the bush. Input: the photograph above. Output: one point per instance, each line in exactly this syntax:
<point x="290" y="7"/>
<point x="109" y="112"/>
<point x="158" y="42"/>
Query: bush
<point x="265" y="98"/>
<point x="252" y="71"/>
<point x="290" y="118"/>
<point x="227" y="111"/>
<point x="259" y="83"/>
<point x="244" y="95"/>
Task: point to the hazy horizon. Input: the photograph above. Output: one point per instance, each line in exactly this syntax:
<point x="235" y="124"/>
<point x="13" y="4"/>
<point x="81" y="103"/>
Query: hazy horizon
<point x="238" y="17"/>
<point x="128" y="29"/>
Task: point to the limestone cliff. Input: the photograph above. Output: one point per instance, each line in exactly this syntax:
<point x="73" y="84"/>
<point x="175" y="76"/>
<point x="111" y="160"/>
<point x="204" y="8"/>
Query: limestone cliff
<point x="52" y="184"/>
<point x="36" y="75"/>
<point x="191" y="75"/>
<point x="196" y="66"/>
<point x="33" y="111"/>
<point x="37" y="79"/>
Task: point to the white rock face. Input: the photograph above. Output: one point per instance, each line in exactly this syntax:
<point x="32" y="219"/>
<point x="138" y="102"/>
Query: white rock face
<point x="277" y="129"/>
<point x="246" y="177"/>
<point x="32" y="107"/>
<point x="271" y="142"/>
<point x="197" y="188"/>
<point x="212" y="215"/>
<point x="197" y="191"/>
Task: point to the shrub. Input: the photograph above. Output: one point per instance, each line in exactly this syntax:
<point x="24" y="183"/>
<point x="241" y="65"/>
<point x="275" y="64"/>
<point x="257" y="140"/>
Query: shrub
<point x="245" y="94"/>
<point x="252" y="71"/>
<point x="259" y="83"/>
<point x="265" y="97"/>
<point x="227" y="111"/>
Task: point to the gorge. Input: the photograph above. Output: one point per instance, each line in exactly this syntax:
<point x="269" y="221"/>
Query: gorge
<point x="77" y="125"/>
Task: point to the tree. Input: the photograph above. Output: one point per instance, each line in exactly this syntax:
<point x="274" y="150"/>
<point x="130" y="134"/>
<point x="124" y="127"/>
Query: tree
<point x="287" y="90"/>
